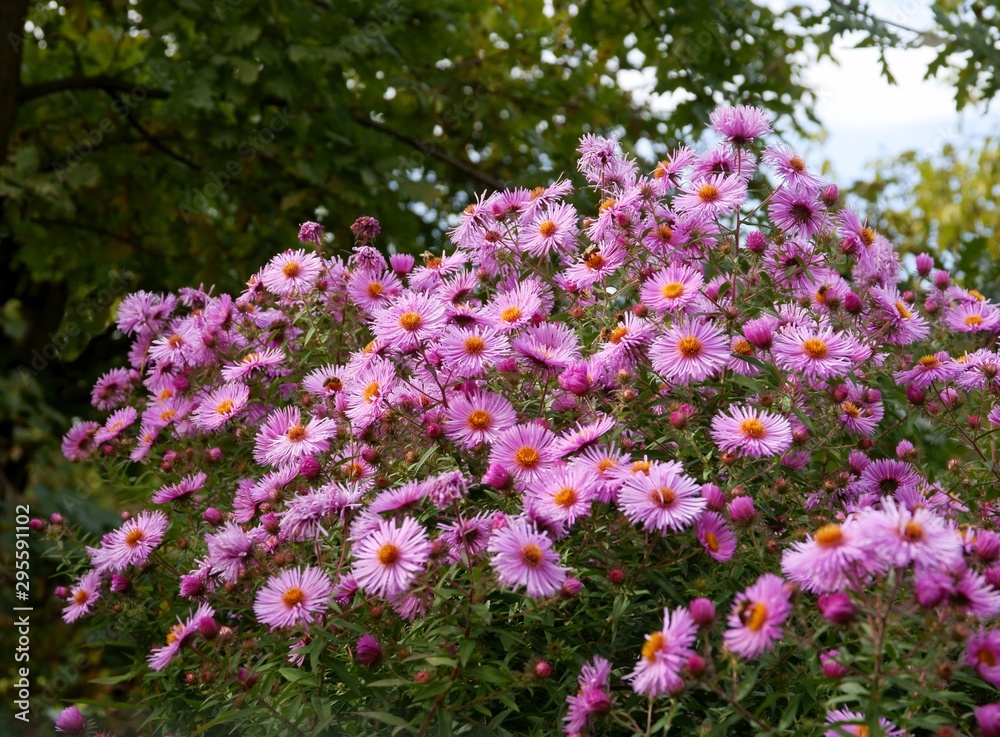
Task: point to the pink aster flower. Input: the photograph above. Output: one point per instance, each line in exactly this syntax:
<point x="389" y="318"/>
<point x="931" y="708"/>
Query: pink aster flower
<point x="480" y="417"/>
<point x="291" y="272"/>
<point x="982" y="652"/>
<point x="294" y="596"/>
<point x="798" y="212"/>
<point x="228" y="549"/>
<point x="757" y="616"/>
<point x="715" y="536"/>
<point x="523" y="557"/>
<point x="816" y="352"/>
<point x="564" y="493"/>
<point x="79" y="443"/>
<point x="283" y="438"/>
<point x="82" y="596"/>
<point x="972" y="317"/>
<point x="826" y="561"/>
<point x="370" y="392"/>
<point x="71" y="721"/>
<point x="854" y="723"/>
<point x="182" y="489"/>
<point x="713" y="196"/>
<point x="547" y="347"/>
<point x="927" y="370"/>
<point x="131" y="544"/>
<point x="899" y="536"/>
<point x="390" y="557"/>
<point x="790" y="167"/>
<point x="467" y="538"/>
<point x="410" y="321"/>
<point x="254" y="362"/>
<point x="372" y="290"/>
<point x="740" y="125"/>
<point x="554" y="231"/>
<point x="584" y="435"/>
<point x="690" y="350"/>
<point x="513" y="309"/>
<point x="664" y="498"/>
<point x="220" y="405"/>
<point x="673" y="289"/>
<point x="749" y="431"/>
<point x="593" y="698"/>
<point x="664" y="653"/>
<point x="179" y="636"/>
<point x="470" y="352"/>
<point x="525" y="450"/>
<point x="325" y="382"/>
<point x="112" y="389"/>
<point x="116" y="424"/>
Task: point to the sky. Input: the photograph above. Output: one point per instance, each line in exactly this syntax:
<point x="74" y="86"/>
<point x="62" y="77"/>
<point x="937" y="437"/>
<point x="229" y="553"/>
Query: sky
<point x="866" y="118"/>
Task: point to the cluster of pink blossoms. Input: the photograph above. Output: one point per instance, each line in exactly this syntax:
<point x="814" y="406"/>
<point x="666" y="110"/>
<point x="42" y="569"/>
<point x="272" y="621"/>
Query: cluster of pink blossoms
<point x="473" y="413"/>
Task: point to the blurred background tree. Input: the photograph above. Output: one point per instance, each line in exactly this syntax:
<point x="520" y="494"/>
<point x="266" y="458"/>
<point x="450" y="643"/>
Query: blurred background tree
<point x="152" y="144"/>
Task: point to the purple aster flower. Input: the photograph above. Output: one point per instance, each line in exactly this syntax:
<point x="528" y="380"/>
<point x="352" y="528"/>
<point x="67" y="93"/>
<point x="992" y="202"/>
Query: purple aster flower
<point x="930" y="368"/>
<point x="182" y="489"/>
<point x="82" y="596"/>
<point x="899" y="536"/>
<point x="131" y="544"/>
<point x="584" y="435"/>
<point x="525" y="450"/>
<point x="825" y="561"/>
<point x="479" y="417"/>
<point x="116" y="424"/>
<point x="283" y="438"/>
<point x="389" y="558"/>
<point x="220" y="405"/>
<point x="523" y="557"/>
<point x="988" y="719"/>
<point x="676" y="288"/>
<point x="71" y="721"/>
<point x="294" y="596"/>
<point x="305" y="515"/>
<point x="79" y="443"/>
<point x="291" y="272"/>
<point x="663" y="498"/>
<point x="554" y="231"/>
<point x="145" y="313"/>
<point x="373" y="290"/>
<point x="311" y="232"/>
<point x="748" y="431"/>
<point x="446" y="488"/>
<point x="254" y="362"/>
<point x="798" y="212"/>
<point x="715" y="536"/>
<point x="411" y="320"/>
<point x="740" y="125"/>
<point x="982" y="652"/>
<point x="689" y="351"/>
<point x="112" y="389"/>
<point x="593" y="698"/>
<point x="179" y="636"/>
<point x="514" y="308"/>
<point x="228" y="549"/>
<point x="664" y="653"/>
<point x="757" y="616"/>
<point x="470" y="352"/>
<point x="368" y="651"/>
<point x="563" y="493"/>
<point x="818" y="352"/>
<point x="366" y="228"/>
<point x="853" y="723"/>
<point x="790" y="167"/>
<point x="972" y="317"/>
<point x="547" y="347"/>
<point x="713" y="196"/>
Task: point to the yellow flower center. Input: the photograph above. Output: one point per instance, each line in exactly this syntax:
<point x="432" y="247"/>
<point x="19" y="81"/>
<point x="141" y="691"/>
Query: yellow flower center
<point x="851" y="410"/>
<point x="480" y="419"/>
<point x="754" y="616"/>
<point x="742" y="347"/>
<point x="81" y="597"/>
<point x="903" y="311"/>
<point x="225" y="407"/>
<point x="174" y="634"/>
<point x="510" y="314"/>
<point x="608" y="203"/>
<point x="652" y="646"/>
<point x="815" y="348"/>
<point x="370" y="392"/>
<point x="640" y="467"/>
<point x="979" y="297"/>
<point x="388" y="554"/>
<point x="547" y="228"/>
<point x="867" y="236"/>
<point x="293" y="596"/>
<point x="689" y="346"/>
<point x="753" y="428"/>
<point x="973" y="320"/>
<point x="410" y="321"/>
<point x="617" y="334"/>
<point x="474" y="345"/>
<point x="594" y="261"/>
<point x="929" y="362"/>
<point x="672" y="290"/>
<point x="527" y="457"/>
<point x="829" y="536"/>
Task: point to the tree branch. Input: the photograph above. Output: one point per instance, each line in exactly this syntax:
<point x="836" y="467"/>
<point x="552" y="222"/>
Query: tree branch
<point x="431" y="150"/>
<point x="153" y="140"/>
<point x="97" y="82"/>
<point x="12" y="17"/>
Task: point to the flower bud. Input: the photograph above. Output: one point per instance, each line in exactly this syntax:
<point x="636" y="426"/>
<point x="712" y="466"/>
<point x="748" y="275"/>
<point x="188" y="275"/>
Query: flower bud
<point x="905" y="450"/>
<point x="713" y="496"/>
<point x="433" y="430"/>
<point x="830" y="195"/>
<point x="368" y="651"/>
<point x="695" y="665"/>
<point x="119" y="583"/>
<point x="616" y="576"/>
<point x="925" y="263"/>
<point x="640" y="310"/>
<point x="915" y="395"/>
<point x="309" y="467"/>
<point x="941" y="279"/>
<point x="571" y="586"/>
<point x="61" y="592"/>
<point x="271" y="523"/>
<point x="542" y="669"/>
<point x="831" y="668"/>
<point x="497" y="476"/>
<point x="402" y="263"/>
<point x="836" y="608"/>
<point x="852" y="303"/>
<point x="36" y="525"/>
<point x="213" y="516"/>
<point x="702" y="611"/>
<point x="741" y="510"/>
<point x="756" y="242"/>
<point x="56" y="518"/>
<point x="71" y="721"/>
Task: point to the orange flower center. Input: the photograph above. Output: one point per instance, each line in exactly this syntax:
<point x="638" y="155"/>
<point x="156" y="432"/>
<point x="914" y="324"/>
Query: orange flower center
<point x="929" y="362"/>
<point x="134" y="537"/>
<point x="829" y="536"/>
<point x="708" y="193"/>
<point x="480" y="419"/>
<point x="903" y="311"/>
<point x="665" y="232"/>
<point x="333" y="384"/>
<point x="979" y="296"/>
<point x="689" y="346"/>
<point x="867" y="236"/>
<point x="652" y="646"/>
<point x="510" y="314"/>
<point x="176" y="341"/>
<point x="753" y="428"/>
<point x="388" y="554"/>
<point x="712" y="542"/>
<point x="174" y="634"/>
<point x="474" y="345"/>
<point x="972" y="320"/>
<point x="594" y="261"/>
<point x="913" y="532"/>
<point x="296" y="433"/>
<point x="851" y="410"/>
<point x="986" y="657"/>
<point x="755" y="616"/>
<point x="225" y="406"/>
<point x="370" y="392"/>
<point x="547" y="228"/>
<point x="375" y="289"/>
<point x="663" y="497"/>
<point x="565" y="497"/>
<point x="815" y="348"/>
<point x="293" y="596"/>
<point x="531" y="555"/>
<point x="617" y="334"/>
<point x="291" y="269"/>
<point x="81" y="597"/>
<point x="410" y="321"/>
<point x="796" y="164"/>
<point x="527" y="457"/>
<point x="742" y="347"/>
<point x="640" y="467"/>
<point x="608" y="203"/>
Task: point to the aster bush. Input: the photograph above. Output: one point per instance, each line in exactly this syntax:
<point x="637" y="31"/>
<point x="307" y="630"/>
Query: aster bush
<point x="710" y="458"/>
